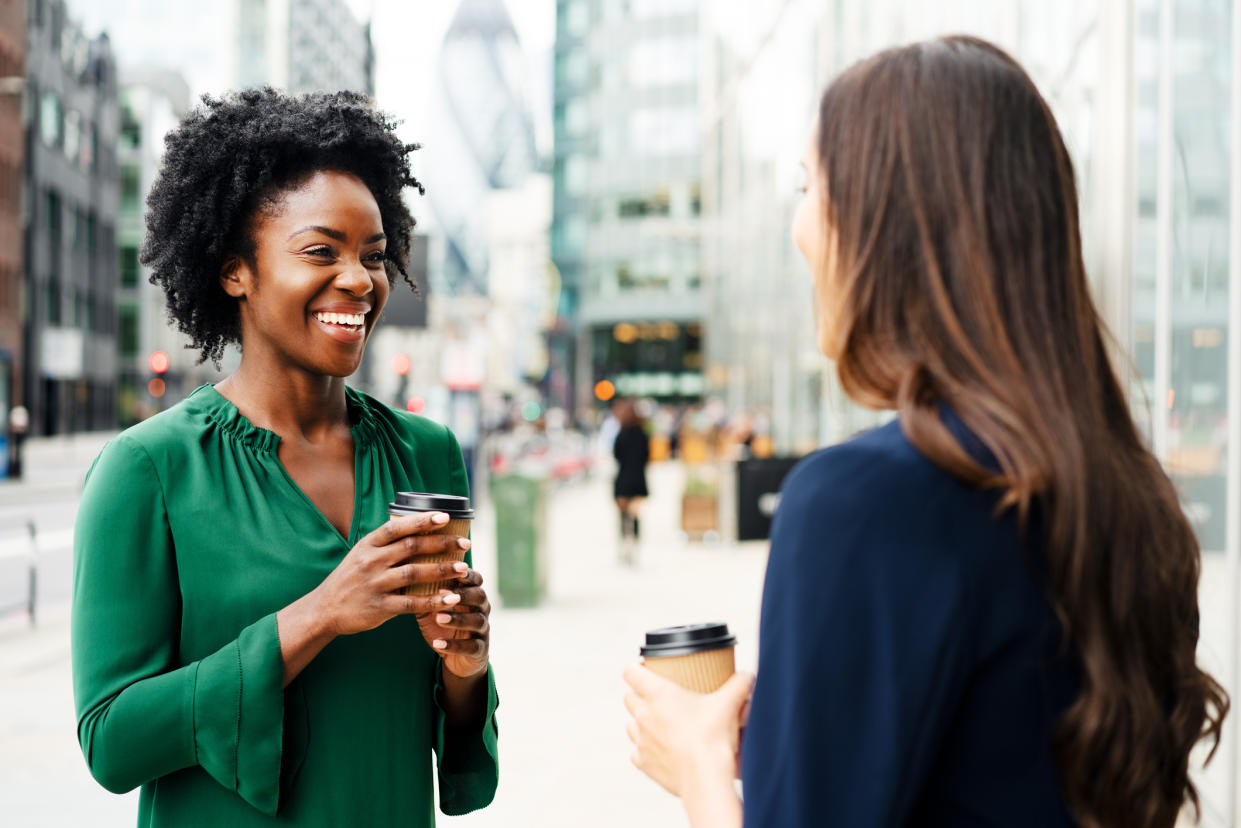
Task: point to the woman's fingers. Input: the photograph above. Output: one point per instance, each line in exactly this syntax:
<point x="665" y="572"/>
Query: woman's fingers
<point x="460" y="619"/>
<point x="416" y="604"/>
<point x="468" y="647"/>
<point x="414" y="546"/>
<point x="406" y="574"/>
<point x="399" y="527"/>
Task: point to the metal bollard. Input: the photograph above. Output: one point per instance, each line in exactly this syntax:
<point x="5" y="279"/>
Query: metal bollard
<point x="33" y="570"/>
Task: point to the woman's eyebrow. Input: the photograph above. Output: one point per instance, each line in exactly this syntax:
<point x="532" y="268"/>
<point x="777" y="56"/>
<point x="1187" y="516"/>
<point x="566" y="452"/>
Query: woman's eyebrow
<point x="333" y="234"/>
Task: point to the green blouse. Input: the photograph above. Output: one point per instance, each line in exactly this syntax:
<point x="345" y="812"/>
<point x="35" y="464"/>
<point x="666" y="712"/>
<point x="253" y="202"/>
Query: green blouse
<point x="190" y="536"/>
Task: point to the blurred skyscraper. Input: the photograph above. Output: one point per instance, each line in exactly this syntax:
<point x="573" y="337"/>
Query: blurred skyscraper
<point x="70" y="235"/>
<point x="151" y="103"/>
<point x="483" y="137"/>
<point x="627" y="199"/>
<point x="303" y="46"/>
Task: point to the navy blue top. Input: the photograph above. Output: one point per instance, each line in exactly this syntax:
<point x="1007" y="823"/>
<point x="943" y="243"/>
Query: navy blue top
<point x="910" y="670"/>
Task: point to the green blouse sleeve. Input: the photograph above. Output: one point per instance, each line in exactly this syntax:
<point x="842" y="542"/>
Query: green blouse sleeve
<point x="467" y="759"/>
<point x="141" y="713"/>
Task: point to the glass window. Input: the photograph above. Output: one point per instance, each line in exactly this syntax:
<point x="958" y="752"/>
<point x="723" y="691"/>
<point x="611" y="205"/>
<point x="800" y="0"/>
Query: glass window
<point x="52" y="301"/>
<point x="127" y="331"/>
<point x="129" y="266"/>
<point x="51" y="120"/>
<point x="664" y="131"/>
<point x="663" y="61"/>
<point x="73" y="136"/>
<point x="576" y="16"/>
<point x="131" y="188"/>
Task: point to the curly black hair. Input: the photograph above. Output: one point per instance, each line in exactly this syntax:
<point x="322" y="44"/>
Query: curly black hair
<point x="236" y="155"/>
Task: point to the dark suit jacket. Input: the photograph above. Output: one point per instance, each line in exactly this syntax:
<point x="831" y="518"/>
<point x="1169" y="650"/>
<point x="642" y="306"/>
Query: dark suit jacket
<point x="910" y="670"/>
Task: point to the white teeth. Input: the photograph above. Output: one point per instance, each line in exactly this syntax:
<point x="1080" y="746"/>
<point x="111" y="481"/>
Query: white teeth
<point x="348" y="319"/>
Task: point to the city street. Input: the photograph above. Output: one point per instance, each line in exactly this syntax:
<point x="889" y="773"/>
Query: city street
<point x="564" y="755"/>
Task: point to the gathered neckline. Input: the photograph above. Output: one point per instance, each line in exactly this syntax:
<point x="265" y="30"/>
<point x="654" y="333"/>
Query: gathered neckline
<point x="224" y="413"/>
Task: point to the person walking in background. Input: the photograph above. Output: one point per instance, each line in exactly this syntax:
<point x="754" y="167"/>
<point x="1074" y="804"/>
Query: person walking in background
<point x="985" y="612"/>
<point x="632" y="450"/>
<point x="244" y="645"/>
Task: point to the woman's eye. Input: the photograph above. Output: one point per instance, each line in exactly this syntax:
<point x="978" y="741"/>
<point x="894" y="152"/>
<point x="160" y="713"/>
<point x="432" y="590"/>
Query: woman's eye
<point x="377" y="257"/>
<point x="320" y="252"/>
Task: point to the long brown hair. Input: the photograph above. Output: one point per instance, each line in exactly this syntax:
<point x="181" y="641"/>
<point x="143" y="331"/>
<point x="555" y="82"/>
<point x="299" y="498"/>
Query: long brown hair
<point x="959" y="276"/>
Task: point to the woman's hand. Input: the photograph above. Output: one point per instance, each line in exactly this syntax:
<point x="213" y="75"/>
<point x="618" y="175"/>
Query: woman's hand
<point x="688" y="742"/>
<point x="461" y="631"/>
<point x="363" y="591"/>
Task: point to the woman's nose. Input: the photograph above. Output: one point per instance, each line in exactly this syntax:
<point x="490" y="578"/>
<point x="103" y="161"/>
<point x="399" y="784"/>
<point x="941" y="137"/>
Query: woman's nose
<point x="355" y="279"/>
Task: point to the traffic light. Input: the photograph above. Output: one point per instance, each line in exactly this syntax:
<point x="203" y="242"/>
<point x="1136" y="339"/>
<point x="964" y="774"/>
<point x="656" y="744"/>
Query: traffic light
<point x="158" y="363"/>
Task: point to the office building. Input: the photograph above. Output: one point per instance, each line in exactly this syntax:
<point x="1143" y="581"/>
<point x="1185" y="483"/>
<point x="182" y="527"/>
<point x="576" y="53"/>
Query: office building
<point x="71" y="192"/>
<point x="151" y="103"/>
<point x="12" y="164"/>
<point x="303" y="46"/>
<point x="626" y="232"/>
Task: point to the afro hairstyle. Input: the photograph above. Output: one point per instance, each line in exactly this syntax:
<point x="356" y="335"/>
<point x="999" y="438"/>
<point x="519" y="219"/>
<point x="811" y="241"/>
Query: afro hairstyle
<point x="236" y="155"/>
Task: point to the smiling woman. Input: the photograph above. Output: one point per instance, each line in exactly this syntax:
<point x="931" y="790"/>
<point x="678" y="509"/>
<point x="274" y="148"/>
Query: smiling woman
<point x="243" y="646"/>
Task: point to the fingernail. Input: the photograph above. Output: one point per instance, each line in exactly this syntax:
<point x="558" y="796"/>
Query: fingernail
<point x="439" y="644"/>
<point x="439" y="517"/>
<point x="464" y="543"/>
<point x="461" y="566"/>
<point x="443" y="618"/>
<point x="452" y="599"/>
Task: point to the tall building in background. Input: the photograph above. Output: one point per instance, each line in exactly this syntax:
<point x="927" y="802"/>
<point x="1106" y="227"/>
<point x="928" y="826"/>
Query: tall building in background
<point x="151" y="103"/>
<point x="71" y="186"/>
<point x="12" y="165"/>
<point x="303" y="46"/>
<point x="626" y="232"/>
<point x="483" y="137"/>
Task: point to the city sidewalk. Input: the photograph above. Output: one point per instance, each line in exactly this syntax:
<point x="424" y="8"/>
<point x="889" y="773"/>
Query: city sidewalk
<point x="564" y="754"/>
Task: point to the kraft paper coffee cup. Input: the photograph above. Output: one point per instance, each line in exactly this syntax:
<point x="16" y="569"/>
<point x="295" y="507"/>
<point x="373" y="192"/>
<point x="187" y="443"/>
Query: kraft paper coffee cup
<point x="698" y="657"/>
<point x="459" y="516"/>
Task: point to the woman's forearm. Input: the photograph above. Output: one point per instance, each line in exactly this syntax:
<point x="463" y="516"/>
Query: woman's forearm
<point x="465" y="699"/>
<point x="709" y="797"/>
<point x="302" y="633"/>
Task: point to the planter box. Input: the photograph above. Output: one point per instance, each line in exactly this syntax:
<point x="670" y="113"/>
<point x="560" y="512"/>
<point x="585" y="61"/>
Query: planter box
<point x="699" y="514"/>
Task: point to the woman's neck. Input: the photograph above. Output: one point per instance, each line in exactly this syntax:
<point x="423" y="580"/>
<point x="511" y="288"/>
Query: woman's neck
<point x="289" y="402"/>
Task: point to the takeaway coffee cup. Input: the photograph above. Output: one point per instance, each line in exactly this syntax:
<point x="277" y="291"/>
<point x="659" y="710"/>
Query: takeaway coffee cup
<point x="459" y="516"/>
<point x="698" y="657"/>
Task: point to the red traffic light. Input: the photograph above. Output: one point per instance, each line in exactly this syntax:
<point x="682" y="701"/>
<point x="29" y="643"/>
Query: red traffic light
<point x="159" y="362"/>
<point x="401" y="364"/>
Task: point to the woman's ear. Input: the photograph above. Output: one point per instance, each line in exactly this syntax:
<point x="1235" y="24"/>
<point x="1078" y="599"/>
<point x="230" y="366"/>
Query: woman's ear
<point x="235" y="277"/>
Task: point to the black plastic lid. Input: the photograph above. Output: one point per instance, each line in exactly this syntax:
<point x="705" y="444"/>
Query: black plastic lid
<point x="688" y="639"/>
<point x="457" y="508"/>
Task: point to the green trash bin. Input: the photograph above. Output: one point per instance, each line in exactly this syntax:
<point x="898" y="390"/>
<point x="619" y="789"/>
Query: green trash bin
<point x="520" y="503"/>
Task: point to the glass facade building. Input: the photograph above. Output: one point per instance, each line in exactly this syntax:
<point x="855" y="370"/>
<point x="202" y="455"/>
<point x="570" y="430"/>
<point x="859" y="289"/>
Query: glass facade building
<point x="1146" y="94"/>
<point x="626" y="229"/>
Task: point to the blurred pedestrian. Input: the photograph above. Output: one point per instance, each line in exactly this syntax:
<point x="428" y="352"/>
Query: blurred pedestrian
<point x="986" y="611"/>
<point x="244" y="648"/>
<point x="632" y="450"/>
<point x="19" y="427"/>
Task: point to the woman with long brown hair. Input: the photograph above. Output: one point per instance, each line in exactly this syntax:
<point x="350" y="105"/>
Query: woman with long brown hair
<point x="985" y="612"/>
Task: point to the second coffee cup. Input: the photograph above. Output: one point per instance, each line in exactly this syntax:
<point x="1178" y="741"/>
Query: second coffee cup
<point x="459" y="516"/>
<point x="698" y="657"/>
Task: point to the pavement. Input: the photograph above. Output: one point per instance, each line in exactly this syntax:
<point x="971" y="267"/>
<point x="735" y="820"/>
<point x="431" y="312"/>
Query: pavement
<point x="565" y="758"/>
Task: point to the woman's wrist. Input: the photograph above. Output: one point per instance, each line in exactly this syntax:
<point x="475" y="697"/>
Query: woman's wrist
<point x="709" y="793"/>
<point x="465" y="698"/>
<point x="303" y="630"/>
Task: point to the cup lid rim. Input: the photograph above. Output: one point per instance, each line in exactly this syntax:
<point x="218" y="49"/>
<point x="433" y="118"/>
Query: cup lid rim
<point x="455" y="506"/>
<point x="687" y="639"/>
